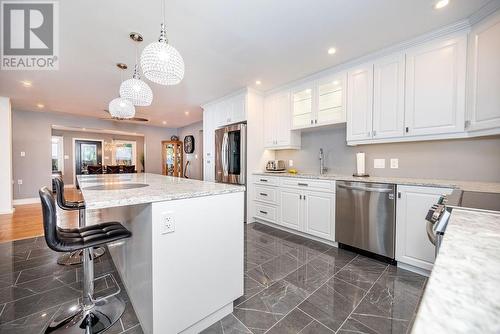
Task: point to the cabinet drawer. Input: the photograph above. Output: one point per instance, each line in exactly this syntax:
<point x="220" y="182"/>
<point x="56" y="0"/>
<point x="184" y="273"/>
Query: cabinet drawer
<point x="265" y="212"/>
<point x="308" y="184"/>
<point x="267" y="180"/>
<point x="266" y="194"/>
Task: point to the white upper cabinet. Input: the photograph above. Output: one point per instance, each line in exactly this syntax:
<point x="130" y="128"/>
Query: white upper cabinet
<point x="359" y="102"/>
<point x="302" y="106"/>
<point x="277" y="123"/>
<point x="230" y="110"/>
<point x="484" y="75"/>
<point x="435" y="87"/>
<point x="388" y="97"/>
<point x="331" y="100"/>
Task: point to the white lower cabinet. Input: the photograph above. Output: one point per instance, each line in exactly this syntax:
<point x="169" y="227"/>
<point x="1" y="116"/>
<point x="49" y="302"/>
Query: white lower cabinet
<point x="299" y="204"/>
<point x="319" y="214"/>
<point x="290" y="208"/>
<point x="412" y="244"/>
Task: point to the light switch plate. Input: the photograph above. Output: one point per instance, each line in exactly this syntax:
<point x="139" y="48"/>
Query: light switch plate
<point x="23" y="154"/>
<point x="378" y="163"/>
<point x="394" y="163"/>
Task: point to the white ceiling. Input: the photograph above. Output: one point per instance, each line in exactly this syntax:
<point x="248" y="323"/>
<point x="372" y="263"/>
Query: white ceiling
<point x="226" y="45"/>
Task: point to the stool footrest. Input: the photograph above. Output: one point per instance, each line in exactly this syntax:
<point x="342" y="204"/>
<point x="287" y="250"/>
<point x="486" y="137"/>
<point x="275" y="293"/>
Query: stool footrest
<point x="99" y="299"/>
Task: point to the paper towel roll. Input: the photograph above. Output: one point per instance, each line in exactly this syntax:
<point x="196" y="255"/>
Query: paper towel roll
<point x="360" y="163"/>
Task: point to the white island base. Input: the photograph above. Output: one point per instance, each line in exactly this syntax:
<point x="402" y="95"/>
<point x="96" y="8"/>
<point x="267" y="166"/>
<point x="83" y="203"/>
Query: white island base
<point x="185" y="280"/>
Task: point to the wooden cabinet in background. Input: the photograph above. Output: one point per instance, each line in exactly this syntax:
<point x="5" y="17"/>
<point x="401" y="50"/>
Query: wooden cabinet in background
<point x="172" y="158"/>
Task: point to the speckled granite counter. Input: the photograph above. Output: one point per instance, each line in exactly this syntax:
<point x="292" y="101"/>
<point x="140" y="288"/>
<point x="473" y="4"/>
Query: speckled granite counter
<point x="463" y="294"/>
<point x="156" y="188"/>
<point x="464" y="185"/>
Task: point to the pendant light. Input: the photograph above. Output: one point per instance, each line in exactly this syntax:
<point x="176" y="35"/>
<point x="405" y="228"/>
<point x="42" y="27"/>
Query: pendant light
<point x="120" y="107"/>
<point x="161" y="62"/>
<point x="134" y="89"/>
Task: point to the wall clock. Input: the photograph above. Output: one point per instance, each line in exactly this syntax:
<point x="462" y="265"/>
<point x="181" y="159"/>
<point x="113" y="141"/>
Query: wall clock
<point x="189" y="144"/>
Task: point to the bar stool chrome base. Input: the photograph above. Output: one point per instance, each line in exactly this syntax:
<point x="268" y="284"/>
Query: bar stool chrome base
<point x="72" y="258"/>
<point x="77" y="320"/>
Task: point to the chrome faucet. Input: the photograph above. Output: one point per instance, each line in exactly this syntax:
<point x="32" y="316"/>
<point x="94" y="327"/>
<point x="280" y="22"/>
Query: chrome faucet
<point x="322" y="168"/>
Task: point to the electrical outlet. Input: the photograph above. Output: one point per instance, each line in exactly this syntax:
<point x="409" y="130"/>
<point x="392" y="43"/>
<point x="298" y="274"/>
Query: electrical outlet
<point x="19" y="181"/>
<point x="23" y="154"/>
<point x="290" y="163"/>
<point x="167" y="222"/>
<point x="394" y="163"/>
<point x="378" y="163"/>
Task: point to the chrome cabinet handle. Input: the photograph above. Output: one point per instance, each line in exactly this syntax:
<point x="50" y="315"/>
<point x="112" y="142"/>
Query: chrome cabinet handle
<point x="316" y="121"/>
<point x="263" y="212"/>
<point x="302" y="184"/>
<point x="374" y="133"/>
<point x="263" y="194"/>
<point x="263" y="180"/>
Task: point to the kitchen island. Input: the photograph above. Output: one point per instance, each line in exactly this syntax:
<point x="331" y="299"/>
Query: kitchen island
<point x="183" y="266"/>
<point x="462" y="294"/>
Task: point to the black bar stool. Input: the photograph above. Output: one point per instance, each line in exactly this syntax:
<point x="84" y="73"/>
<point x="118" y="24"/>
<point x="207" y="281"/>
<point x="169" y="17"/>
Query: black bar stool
<point x="72" y="257"/>
<point x="91" y="315"/>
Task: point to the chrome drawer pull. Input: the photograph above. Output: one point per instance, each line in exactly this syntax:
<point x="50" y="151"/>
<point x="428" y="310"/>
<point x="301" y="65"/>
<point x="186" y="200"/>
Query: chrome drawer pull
<point x="303" y="184"/>
<point x="263" y="180"/>
<point x="263" y="212"/>
<point x="263" y="194"/>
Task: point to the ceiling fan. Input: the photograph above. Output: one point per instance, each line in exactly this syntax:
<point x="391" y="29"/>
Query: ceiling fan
<point x="133" y="119"/>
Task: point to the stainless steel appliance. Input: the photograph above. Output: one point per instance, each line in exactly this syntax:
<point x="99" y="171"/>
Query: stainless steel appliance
<point x="230" y="154"/>
<point x="365" y="216"/>
<point x="275" y="166"/>
<point x="439" y="214"/>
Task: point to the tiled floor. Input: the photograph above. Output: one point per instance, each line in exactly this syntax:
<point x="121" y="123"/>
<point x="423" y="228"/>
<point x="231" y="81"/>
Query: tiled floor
<point x="292" y="285"/>
<point x="33" y="287"/>
<point x="295" y="285"/>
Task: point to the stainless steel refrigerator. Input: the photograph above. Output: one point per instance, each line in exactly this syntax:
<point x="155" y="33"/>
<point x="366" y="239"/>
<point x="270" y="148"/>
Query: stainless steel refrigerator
<point x="231" y="155"/>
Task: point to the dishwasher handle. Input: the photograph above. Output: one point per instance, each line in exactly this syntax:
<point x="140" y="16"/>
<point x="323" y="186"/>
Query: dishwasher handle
<point x="370" y="189"/>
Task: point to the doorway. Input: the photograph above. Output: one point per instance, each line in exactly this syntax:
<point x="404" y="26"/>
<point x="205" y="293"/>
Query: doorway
<point x="87" y="153"/>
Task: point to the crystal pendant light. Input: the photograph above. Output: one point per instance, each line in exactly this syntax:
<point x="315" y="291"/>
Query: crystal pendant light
<point x="120" y="107"/>
<point x="161" y="62"/>
<point x="134" y="89"/>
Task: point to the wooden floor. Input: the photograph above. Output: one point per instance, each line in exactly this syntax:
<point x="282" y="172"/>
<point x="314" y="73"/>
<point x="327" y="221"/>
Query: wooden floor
<point x="26" y="221"/>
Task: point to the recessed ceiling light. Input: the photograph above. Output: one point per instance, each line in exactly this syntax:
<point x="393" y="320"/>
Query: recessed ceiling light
<point x="186" y="113"/>
<point x="40" y="105"/>
<point x="258" y="82"/>
<point x="441" y="4"/>
<point x="336" y="82"/>
<point x="164" y="122"/>
<point x="27" y="83"/>
<point x="332" y="51"/>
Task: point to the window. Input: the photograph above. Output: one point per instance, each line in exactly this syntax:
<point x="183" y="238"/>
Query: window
<point x="124" y="153"/>
<point x="57" y="154"/>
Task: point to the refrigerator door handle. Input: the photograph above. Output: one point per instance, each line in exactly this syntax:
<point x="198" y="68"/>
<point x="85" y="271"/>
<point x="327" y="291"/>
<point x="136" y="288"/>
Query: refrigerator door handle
<point x="225" y="153"/>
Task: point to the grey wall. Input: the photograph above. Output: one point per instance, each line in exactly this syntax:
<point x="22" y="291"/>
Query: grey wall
<point x="68" y="176"/>
<point x="196" y="162"/>
<point x="32" y="131"/>
<point x="476" y="159"/>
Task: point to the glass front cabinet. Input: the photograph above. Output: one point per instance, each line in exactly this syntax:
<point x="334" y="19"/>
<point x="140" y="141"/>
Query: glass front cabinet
<point x="172" y="158"/>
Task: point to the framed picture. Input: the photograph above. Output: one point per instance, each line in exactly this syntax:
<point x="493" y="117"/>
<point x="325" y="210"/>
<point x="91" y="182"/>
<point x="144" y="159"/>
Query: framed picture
<point x="189" y="144"/>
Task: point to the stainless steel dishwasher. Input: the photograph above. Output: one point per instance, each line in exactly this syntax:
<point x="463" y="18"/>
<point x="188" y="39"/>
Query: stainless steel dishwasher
<point x="365" y="216"/>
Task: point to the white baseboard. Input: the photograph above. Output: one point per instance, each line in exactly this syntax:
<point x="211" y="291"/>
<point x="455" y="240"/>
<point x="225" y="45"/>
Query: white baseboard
<point x="7" y="212"/>
<point x="23" y="201"/>
<point x="409" y="267"/>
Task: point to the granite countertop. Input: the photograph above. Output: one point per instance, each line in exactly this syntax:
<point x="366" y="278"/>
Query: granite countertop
<point x="463" y="185"/>
<point x="105" y="191"/>
<point x="462" y="294"/>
